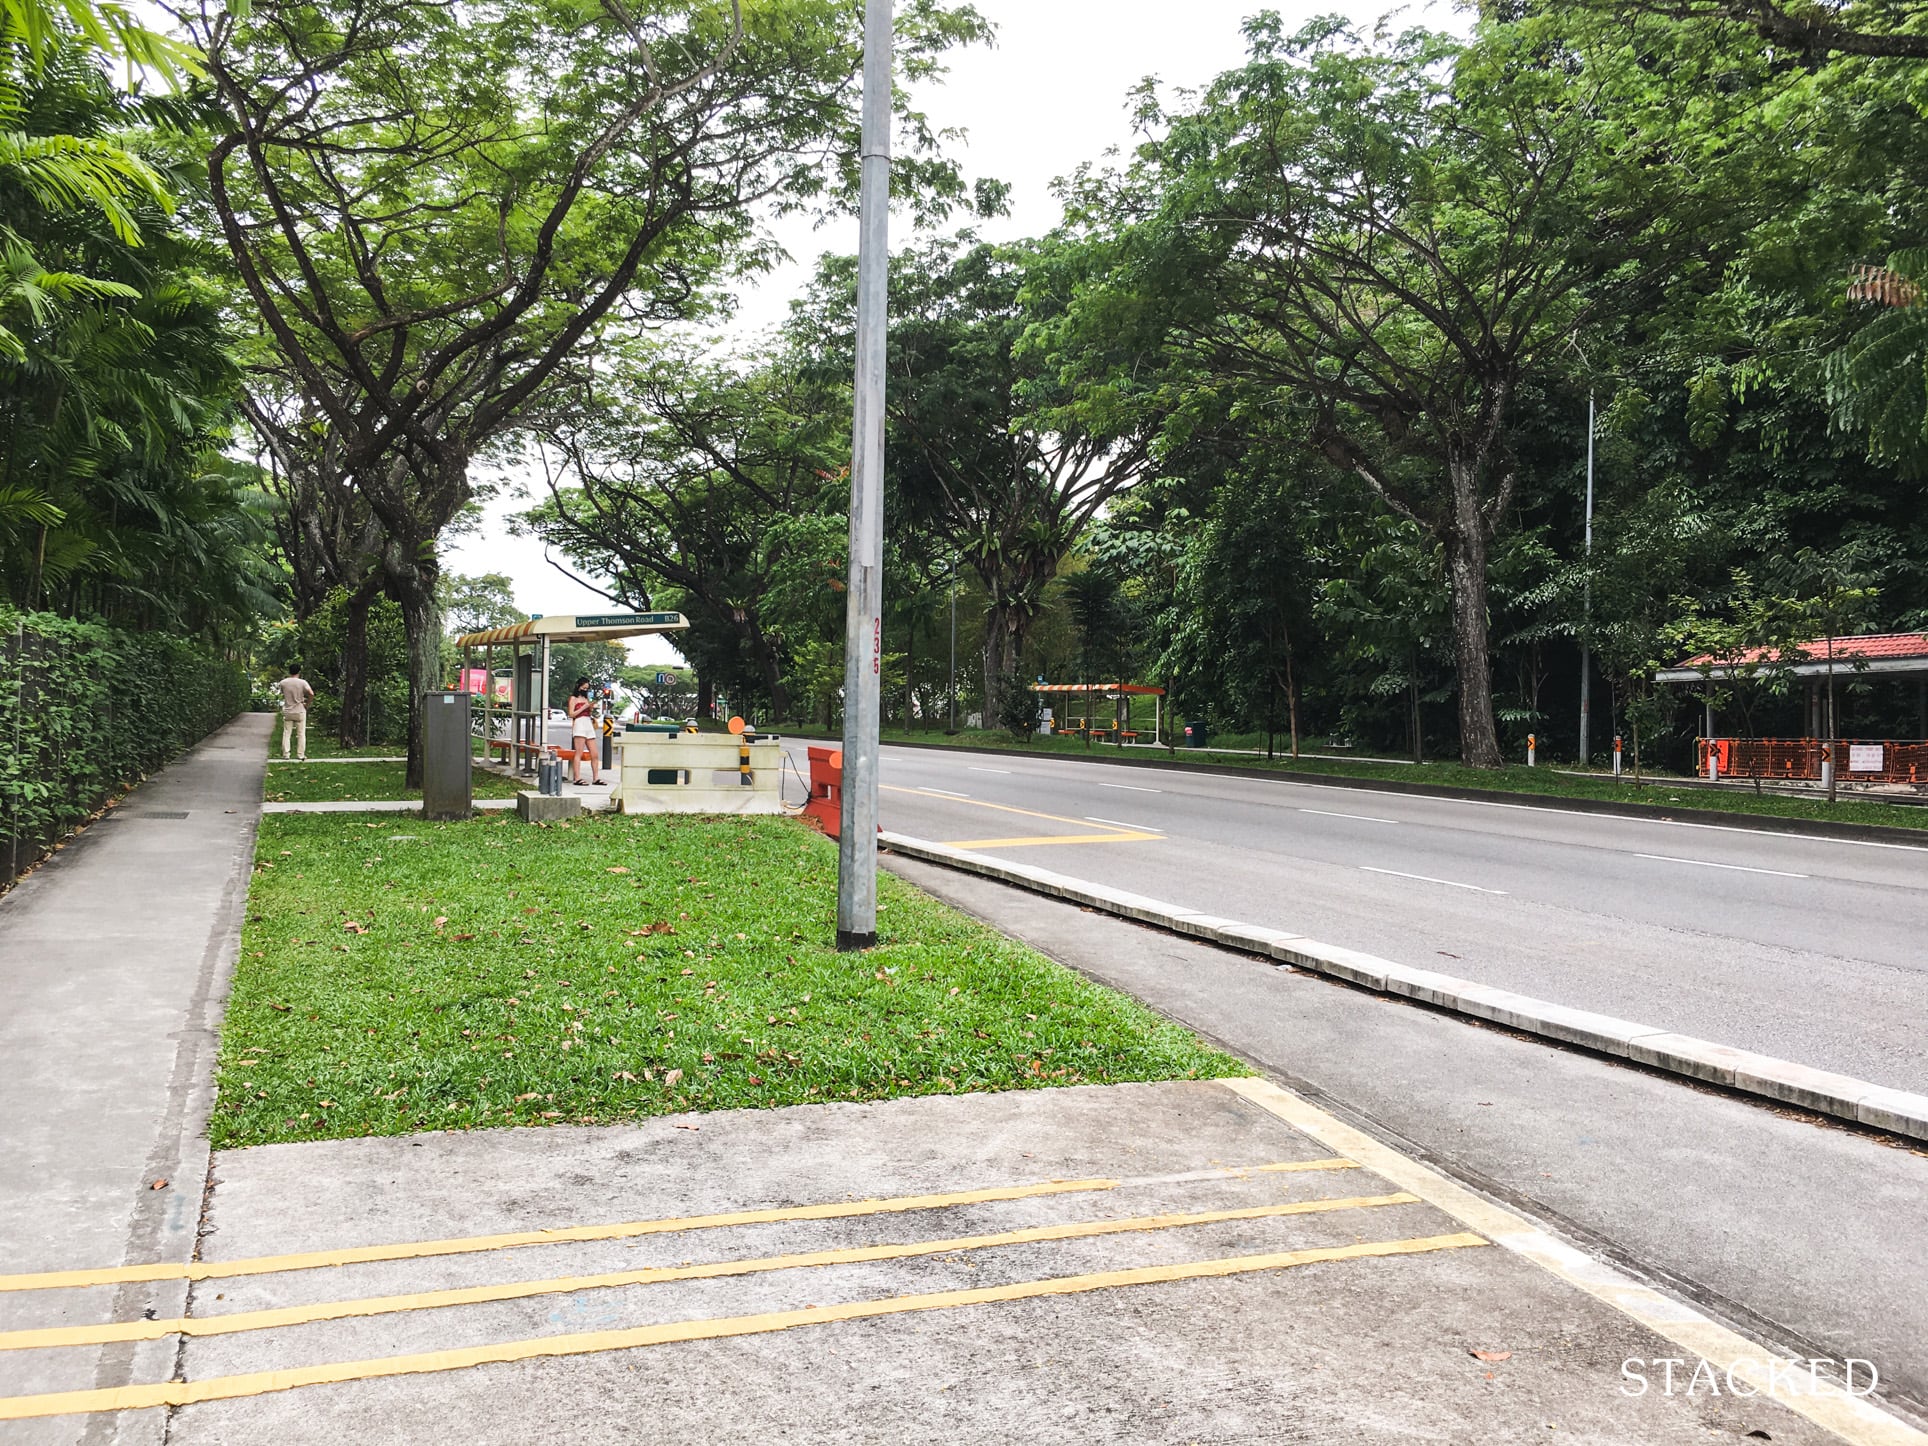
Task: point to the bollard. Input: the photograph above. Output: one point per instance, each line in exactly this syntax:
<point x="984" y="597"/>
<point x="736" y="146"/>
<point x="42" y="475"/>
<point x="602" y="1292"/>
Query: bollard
<point x="1827" y="765"/>
<point x="1616" y="755"/>
<point x="1713" y="761"/>
<point x="1532" y="749"/>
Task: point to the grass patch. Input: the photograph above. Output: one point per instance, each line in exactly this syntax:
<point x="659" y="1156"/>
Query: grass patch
<point x="1661" y="793"/>
<point x="322" y="744"/>
<point x="364" y="783"/>
<point x="398" y="976"/>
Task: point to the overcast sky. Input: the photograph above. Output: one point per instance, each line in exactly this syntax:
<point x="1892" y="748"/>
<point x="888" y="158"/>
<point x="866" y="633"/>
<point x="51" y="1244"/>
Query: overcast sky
<point x="1050" y="94"/>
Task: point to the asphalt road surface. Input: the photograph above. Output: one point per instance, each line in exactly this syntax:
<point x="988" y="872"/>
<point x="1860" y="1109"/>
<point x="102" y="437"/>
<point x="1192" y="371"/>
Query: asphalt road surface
<point x="1814" y="950"/>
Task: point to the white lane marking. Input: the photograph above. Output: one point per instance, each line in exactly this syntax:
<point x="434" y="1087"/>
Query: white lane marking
<point x="973" y="768"/>
<point x="1119" y="823"/>
<point x="1129" y="787"/>
<point x="1710" y="864"/>
<point x="1362" y="817"/>
<point x="948" y="793"/>
<point x="1429" y="879"/>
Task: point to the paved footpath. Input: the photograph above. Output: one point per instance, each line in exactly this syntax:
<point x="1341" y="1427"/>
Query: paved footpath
<point x="114" y="958"/>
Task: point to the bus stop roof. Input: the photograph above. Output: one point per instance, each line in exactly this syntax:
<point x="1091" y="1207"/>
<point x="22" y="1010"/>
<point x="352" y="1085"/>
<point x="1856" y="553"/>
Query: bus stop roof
<point x="576" y="628"/>
<point x="1137" y="688"/>
<point x="1894" y="654"/>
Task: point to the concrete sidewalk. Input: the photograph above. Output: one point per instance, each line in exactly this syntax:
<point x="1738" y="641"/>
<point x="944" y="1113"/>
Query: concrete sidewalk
<point x="1181" y="1262"/>
<point x="114" y="962"/>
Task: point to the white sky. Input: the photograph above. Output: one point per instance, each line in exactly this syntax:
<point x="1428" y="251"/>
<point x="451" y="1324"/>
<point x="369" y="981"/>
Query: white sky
<point x="1051" y="94"/>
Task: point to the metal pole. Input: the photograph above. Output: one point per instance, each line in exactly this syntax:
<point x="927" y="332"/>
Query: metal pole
<point x="953" y="688"/>
<point x="542" y="705"/>
<point x="1586" y="652"/>
<point x="864" y="622"/>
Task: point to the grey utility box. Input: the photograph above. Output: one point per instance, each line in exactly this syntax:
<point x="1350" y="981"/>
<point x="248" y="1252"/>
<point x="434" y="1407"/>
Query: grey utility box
<point x="447" y="756"/>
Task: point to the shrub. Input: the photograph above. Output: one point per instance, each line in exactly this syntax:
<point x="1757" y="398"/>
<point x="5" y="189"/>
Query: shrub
<point x="86" y="709"/>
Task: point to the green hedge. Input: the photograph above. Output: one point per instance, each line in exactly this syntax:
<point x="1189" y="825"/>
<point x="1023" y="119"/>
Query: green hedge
<point x="86" y="709"/>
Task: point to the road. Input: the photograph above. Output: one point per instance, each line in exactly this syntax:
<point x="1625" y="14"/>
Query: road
<point x="1814" y="950"/>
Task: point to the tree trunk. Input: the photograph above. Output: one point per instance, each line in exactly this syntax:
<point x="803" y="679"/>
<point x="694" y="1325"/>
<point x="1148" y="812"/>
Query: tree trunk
<point x="705" y="695"/>
<point x="412" y="584"/>
<point x="1292" y="699"/>
<point x="351" y="729"/>
<point x="1001" y="637"/>
<point x="1479" y="741"/>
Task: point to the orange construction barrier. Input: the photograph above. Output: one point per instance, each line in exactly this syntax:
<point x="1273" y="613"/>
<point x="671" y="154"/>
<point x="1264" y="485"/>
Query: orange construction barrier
<point x="826" y="789"/>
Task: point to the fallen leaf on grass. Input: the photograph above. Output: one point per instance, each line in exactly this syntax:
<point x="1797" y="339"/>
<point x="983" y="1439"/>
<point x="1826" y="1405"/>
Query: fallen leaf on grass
<point x="280" y="1008"/>
<point x="352" y="927"/>
<point x="440" y="920"/>
<point x="618" y="869"/>
<point x="1491" y="1355"/>
<point x="461" y="938"/>
<point x="672" y="1079"/>
<point x="552" y="1114"/>
<point x="533" y="1094"/>
<point x="626" y="1076"/>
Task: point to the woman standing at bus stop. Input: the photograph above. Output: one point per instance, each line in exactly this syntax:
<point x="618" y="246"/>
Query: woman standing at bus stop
<point x="582" y="732"/>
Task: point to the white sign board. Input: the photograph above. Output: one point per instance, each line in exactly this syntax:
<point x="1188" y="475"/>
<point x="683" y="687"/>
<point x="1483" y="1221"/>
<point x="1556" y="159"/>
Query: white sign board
<point x="1864" y="758"/>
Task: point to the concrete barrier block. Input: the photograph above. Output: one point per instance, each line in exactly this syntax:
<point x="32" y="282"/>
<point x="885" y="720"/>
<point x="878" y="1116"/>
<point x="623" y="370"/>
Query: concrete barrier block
<point x="547" y="807"/>
<point x="1797" y="1084"/>
<point x="1255" y="939"/>
<point x="1894" y="1110"/>
<point x="1683" y="1054"/>
<point x="1426" y="984"/>
<point x="1553" y="1021"/>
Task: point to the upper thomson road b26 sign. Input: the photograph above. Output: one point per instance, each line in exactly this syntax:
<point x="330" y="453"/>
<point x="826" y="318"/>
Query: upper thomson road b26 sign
<point x="626" y="620"/>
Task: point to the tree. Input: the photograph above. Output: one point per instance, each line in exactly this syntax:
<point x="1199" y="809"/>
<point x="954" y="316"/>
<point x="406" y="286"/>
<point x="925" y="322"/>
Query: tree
<point x="714" y="481"/>
<point x="1392" y="238"/>
<point x="117" y="380"/>
<point x="995" y="445"/>
<point x="434" y="232"/>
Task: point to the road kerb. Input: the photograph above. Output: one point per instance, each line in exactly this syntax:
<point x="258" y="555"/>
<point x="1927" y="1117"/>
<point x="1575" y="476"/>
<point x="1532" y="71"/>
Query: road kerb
<point x="1783" y="1081"/>
<point x="1854" y="1418"/>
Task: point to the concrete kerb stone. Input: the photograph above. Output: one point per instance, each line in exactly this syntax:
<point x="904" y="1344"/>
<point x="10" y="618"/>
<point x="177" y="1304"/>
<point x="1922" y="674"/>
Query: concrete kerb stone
<point x="1896" y="1111"/>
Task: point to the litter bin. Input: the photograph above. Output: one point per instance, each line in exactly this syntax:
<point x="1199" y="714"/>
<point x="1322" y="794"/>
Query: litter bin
<point x="448" y="756"/>
<point x="1194" y="735"/>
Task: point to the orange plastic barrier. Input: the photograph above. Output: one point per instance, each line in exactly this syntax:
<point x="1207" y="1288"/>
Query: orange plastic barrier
<point x="826" y="789"/>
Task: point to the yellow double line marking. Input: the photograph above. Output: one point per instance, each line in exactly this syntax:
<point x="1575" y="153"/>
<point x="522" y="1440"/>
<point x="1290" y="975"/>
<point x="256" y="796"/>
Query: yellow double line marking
<point x="422" y="1249"/>
<point x="255" y="1320"/>
<point x="221" y="1388"/>
<point x="1110" y="835"/>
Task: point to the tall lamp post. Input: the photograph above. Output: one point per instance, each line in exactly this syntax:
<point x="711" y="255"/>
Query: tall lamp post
<point x="1586" y="650"/>
<point x="864" y="621"/>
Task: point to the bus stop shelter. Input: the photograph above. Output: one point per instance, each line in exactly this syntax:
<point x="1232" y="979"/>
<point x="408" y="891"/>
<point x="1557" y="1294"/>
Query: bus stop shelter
<point x="527" y="646"/>
<point x="1088" y="695"/>
<point x="1896" y="657"/>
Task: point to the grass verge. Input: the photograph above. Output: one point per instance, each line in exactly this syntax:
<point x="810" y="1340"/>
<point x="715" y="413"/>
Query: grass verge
<point x="1662" y="794"/>
<point x="322" y="744"/>
<point x="364" y="783"/>
<point x="398" y="976"/>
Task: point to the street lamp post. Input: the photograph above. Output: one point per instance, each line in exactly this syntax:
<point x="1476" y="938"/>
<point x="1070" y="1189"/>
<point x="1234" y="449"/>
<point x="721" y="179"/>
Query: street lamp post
<point x="1586" y="651"/>
<point x="864" y="621"/>
<point x="953" y="687"/>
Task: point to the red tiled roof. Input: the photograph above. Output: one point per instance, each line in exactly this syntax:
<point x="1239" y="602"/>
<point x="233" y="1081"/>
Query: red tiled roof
<point x="1871" y="647"/>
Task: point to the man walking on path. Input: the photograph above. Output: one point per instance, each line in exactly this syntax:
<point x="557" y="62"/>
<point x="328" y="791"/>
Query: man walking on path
<point x="295" y="696"/>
